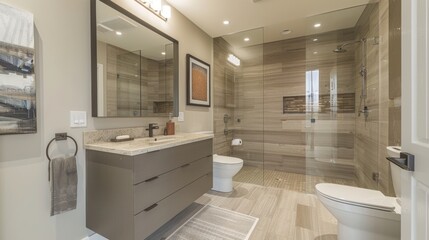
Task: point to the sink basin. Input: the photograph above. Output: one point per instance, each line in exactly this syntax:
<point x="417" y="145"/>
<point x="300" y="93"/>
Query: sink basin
<point x="158" y="140"/>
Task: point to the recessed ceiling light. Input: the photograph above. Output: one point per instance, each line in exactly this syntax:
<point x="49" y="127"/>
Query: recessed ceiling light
<point x="286" y="31"/>
<point x="246" y="39"/>
<point x="163" y="53"/>
<point x="118" y="33"/>
<point x="315" y="39"/>
<point x="315" y="53"/>
<point x="317" y="25"/>
<point x="226" y="22"/>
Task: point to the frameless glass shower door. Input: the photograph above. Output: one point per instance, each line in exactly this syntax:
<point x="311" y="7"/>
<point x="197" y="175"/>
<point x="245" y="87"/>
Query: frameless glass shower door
<point x="127" y="80"/>
<point x="239" y="97"/>
<point x="329" y="122"/>
<point x="311" y="106"/>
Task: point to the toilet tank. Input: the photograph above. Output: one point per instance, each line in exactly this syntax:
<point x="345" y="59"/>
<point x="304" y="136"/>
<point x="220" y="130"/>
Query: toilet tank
<point x="394" y="151"/>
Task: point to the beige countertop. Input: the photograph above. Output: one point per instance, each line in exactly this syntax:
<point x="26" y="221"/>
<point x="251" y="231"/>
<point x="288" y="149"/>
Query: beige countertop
<point x="144" y="145"/>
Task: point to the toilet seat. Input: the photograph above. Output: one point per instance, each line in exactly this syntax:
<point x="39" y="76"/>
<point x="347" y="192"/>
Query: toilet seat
<point x="356" y="196"/>
<point x="226" y="160"/>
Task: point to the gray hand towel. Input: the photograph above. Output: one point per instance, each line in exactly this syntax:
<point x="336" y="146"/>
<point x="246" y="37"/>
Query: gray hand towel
<point x="64" y="185"/>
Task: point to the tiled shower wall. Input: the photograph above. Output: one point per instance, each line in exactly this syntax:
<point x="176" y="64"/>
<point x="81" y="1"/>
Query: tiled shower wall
<point x="238" y="92"/>
<point x="289" y="141"/>
<point x="222" y="142"/>
<point x="133" y="89"/>
<point x="249" y="112"/>
<point x="335" y="144"/>
<point x="318" y="142"/>
<point x="372" y="134"/>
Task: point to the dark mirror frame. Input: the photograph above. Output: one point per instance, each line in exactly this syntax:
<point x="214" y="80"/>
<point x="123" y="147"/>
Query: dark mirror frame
<point x="94" y="57"/>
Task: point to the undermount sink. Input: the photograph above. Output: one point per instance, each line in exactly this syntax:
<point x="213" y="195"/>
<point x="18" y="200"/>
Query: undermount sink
<point x="158" y="140"/>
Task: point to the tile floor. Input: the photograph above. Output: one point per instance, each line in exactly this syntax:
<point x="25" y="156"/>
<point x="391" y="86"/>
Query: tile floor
<point x="285" y="204"/>
<point x="283" y="214"/>
<point x="285" y="180"/>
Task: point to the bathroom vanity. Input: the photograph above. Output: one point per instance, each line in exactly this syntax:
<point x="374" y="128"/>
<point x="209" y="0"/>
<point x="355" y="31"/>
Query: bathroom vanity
<point x="133" y="188"/>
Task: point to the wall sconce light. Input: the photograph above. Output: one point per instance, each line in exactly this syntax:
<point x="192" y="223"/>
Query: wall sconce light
<point x="234" y="60"/>
<point x="156" y="7"/>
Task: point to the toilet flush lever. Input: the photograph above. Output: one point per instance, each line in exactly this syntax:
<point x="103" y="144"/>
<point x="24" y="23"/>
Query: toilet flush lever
<point x="405" y="161"/>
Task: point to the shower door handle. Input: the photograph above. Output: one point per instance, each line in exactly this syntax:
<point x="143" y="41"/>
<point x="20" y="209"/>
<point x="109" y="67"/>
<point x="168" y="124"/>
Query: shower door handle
<point x="405" y="161"/>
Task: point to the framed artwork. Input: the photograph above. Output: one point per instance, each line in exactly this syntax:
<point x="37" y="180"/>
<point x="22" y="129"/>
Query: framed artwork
<point x="198" y="82"/>
<point x="17" y="80"/>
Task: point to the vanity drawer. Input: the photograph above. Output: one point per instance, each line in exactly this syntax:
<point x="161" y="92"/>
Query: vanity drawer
<point x="153" y="164"/>
<point x="150" y="220"/>
<point x="157" y="188"/>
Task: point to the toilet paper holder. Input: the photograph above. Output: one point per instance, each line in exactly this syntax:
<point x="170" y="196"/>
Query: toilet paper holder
<point x="236" y="142"/>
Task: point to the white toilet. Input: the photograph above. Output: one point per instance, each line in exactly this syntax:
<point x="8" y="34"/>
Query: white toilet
<point x="224" y="168"/>
<point x="364" y="213"/>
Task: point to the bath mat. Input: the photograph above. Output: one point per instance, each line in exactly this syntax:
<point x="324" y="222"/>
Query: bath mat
<point x="216" y="223"/>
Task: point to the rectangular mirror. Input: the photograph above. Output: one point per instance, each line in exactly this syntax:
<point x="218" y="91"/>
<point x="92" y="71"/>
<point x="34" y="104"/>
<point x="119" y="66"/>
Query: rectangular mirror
<point x="134" y="65"/>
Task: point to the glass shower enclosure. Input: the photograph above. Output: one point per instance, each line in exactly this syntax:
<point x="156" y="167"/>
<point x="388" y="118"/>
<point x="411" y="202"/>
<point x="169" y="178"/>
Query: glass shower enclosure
<point x="307" y="106"/>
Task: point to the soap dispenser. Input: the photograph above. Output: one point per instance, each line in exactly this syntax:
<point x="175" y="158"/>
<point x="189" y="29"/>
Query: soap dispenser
<point x="170" y="125"/>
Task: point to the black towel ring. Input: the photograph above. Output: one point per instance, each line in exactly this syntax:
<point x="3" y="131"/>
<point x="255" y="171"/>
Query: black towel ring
<point x="58" y="137"/>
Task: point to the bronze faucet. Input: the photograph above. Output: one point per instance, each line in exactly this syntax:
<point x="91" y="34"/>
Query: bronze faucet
<point x="152" y="126"/>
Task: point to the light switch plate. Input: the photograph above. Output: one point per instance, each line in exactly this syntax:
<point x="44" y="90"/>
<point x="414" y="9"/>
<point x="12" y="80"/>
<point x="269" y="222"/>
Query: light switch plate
<point x="77" y="119"/>
<point x="181" y="117"/>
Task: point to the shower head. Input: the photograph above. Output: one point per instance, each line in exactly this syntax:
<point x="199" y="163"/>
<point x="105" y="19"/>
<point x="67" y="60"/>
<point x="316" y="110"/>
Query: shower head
<point x="341" y="49"/>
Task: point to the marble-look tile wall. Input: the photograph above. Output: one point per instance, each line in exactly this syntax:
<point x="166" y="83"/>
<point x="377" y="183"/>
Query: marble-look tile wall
<point x="288" y="141"/>
<point x="372" y="133"/>
<point x="122" y="82"/>
<point x="156" y="87"/>
<point x="333" y="144"/>
<point x="395" y="72"/>
<point x="135" y="85"/>
<point x="317" y="142"/>
<point x="395" y="126"/>
<point x="222" y="142"/>
<point x="249" y="112"/>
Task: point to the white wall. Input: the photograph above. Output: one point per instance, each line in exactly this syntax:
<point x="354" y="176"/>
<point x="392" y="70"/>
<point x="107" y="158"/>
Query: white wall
<point x="63" y="78"/>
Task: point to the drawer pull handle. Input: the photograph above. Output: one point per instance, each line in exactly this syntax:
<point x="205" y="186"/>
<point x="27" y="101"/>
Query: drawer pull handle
<point x="183" y="166"/>
<point x="150" y="207"/>
<point x="151" y="179"/>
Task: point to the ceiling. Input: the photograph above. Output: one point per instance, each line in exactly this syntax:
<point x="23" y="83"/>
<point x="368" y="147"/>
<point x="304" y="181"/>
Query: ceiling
<point x="273" y="15"/>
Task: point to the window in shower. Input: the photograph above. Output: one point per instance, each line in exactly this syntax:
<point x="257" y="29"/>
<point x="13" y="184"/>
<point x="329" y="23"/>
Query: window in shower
<point x="312" y="91"/>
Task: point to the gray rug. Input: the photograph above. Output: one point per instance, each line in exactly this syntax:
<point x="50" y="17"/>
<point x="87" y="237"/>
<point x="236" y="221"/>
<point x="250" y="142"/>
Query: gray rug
<point x="216" y="223"/>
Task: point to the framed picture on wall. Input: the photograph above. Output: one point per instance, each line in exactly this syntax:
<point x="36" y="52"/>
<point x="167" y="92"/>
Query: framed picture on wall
<point x="17" y="78"/>
<point x="198" y="82"/>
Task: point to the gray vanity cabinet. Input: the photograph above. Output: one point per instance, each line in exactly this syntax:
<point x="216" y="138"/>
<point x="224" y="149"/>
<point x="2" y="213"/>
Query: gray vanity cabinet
<point x="129" y="197"/>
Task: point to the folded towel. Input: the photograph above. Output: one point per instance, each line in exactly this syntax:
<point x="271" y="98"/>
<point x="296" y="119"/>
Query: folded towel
<point x="64" y="185"/>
